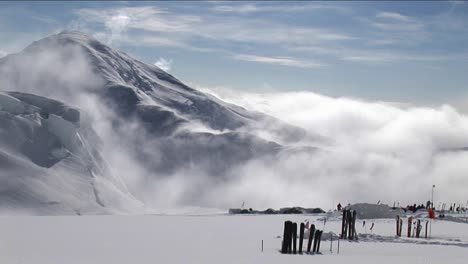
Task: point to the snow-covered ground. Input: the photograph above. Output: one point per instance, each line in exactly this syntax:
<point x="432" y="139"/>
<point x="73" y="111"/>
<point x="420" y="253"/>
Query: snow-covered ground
<point x="213" y="238"/>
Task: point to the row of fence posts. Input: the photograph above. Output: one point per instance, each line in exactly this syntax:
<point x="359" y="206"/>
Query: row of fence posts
<point x="289" y="243"/>
<point x="348" y="225"/>
<point x="411" y="233"/>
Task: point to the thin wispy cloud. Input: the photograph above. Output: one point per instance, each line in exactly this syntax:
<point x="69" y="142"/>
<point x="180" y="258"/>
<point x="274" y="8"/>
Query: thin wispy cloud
<point x="45" y="19"/>
<point x="149" y="18"/>
<point x="397" y="22"/>
<point x="393" y="16"/>
<point x="148" y="40"/>
<point x="185" y="28"/>
<point x="383" y="57"/>
<point x="394" y="29"/>
<point x="377" y="57"/>
<point x="282" y="61"/>
<point x="164" y="64"/>
<point x="260" y="8"/>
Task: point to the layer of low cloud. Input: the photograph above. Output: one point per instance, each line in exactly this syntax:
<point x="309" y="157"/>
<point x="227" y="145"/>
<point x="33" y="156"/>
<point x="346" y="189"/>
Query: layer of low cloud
<point x="380" y="151"/>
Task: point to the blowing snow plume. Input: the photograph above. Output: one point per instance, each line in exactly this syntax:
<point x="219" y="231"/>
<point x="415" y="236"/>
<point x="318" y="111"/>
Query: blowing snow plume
<point x="144" y="140"/>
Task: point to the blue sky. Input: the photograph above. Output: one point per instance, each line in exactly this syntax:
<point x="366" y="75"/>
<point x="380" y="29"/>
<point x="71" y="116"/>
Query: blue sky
<point x="414" y="52"/>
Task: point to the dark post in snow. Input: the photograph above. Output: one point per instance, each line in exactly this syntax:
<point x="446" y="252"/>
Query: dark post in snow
<point x="311" y="237"/>
<point x="410" y="221"/>
<point x="338" y="249"/>
<point x="425" y="233"/>
<point x="315" y="240"/>
<point x="317" y="250"/>
<point x="418" y="228"/>
<point x="344" y="224"/>
<point x="286" y="239"/>
<point x="401" y="227"/>
<point x="284" y="245"/>
<point x="398" y="225"/>
<point x="294" y="236"/>
<point x="351" y="218"/>
<point x="290" y="238"/>
<point x="301" y="237"/>
<point x="353" y="232"/>
<point x="318" y="234"/>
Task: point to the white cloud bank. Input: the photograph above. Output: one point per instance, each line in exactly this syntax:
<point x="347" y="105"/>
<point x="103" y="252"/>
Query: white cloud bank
<point x="380" y="151"/>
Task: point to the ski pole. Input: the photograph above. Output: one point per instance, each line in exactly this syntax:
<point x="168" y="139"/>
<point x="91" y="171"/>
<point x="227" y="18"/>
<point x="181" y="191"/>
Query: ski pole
<point x="338" y="251"/>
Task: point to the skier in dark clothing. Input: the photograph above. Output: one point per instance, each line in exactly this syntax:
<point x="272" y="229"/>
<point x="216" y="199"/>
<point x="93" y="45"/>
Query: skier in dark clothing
<point x="338" y="207"/>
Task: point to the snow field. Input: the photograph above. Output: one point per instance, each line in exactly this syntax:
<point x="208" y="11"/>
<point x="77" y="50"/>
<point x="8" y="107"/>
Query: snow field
<point x="210" y="239"/>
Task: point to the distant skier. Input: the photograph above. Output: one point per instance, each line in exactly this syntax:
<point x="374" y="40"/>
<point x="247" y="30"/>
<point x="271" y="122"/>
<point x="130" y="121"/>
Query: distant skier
<point x="339" y="207"/>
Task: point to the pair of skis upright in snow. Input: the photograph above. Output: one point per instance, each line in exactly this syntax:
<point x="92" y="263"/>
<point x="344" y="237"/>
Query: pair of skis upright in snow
<point x="290" y="238"/>
<point x="348" y="225"/>
<point x="399" y="225"/>
<point x="414" y="228"/>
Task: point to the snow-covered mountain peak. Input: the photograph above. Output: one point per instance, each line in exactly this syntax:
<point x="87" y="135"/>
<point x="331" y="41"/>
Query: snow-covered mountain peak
<point x="108" y="122"/>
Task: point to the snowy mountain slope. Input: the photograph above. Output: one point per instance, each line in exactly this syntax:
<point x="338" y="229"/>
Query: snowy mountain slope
<point x="50" y="161"/>
<point x="131" y="123"/>
<point x="135" y="90"/>
<point x="128" y="83"/>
